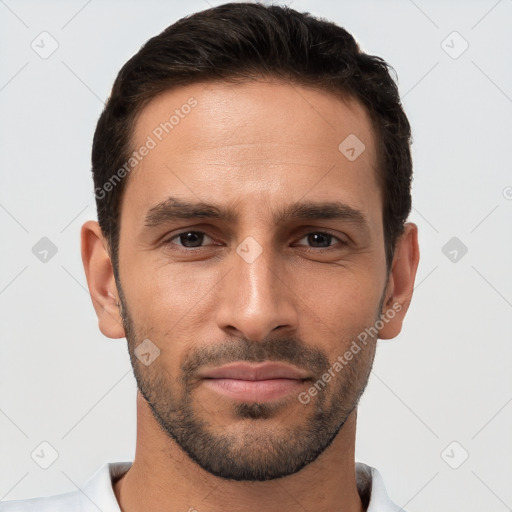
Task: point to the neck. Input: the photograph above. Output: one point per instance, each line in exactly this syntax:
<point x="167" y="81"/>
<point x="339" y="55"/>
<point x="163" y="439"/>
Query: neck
<point x="163" y="477"/>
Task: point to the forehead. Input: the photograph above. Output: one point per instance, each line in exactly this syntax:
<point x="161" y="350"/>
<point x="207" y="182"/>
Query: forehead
<point x="252" y="144"/>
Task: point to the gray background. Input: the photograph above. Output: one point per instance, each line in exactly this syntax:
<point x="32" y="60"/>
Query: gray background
<point x="445" y="379"/>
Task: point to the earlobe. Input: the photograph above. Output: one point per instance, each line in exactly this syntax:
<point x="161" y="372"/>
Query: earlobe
<point x="100" y="280"/>
<point x="401" y="282"/>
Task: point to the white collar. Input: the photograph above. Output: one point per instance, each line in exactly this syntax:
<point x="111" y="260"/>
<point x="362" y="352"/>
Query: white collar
<point x="98" y="493"/>
<point x="371" y="488"/>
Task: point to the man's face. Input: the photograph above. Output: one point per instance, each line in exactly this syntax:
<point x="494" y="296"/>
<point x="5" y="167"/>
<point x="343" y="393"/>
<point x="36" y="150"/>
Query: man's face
<point x="269" y="271"/>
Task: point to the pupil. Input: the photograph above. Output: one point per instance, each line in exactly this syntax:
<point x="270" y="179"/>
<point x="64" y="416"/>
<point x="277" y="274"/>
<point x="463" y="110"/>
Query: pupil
<point x="191" y="239"/>
<point x="319" y="238"/>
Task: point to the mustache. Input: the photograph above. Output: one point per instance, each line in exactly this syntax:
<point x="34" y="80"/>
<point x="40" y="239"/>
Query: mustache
<point x="284" y="350"/>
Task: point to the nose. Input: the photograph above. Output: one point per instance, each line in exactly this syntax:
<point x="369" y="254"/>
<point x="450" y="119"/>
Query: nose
<point x="256" y="300"/>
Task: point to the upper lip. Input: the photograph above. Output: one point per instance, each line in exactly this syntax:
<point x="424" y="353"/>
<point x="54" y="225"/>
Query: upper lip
<point x="247" y="371"/>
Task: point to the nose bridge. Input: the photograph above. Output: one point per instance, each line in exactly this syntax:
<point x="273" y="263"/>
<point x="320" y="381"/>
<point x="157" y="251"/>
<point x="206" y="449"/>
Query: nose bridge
<point x="256" y="300"/>
<point x="256" y="274"/>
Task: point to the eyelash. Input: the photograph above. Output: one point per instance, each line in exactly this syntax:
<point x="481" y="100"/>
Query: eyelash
<point x="168" y="241"/>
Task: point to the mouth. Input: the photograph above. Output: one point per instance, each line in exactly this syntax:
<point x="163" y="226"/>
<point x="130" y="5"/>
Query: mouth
<point x="254" y="390"/>
<point x="259" y="383"/>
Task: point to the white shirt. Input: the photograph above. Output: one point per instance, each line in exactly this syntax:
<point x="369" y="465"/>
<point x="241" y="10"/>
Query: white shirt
<point x="98" y="493"/>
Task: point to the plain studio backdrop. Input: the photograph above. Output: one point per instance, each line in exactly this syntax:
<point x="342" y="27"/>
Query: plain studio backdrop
<point x="436" y="419"/>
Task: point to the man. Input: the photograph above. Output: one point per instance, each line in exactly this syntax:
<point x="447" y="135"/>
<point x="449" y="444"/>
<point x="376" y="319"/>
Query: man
<point x="252" y="174"/>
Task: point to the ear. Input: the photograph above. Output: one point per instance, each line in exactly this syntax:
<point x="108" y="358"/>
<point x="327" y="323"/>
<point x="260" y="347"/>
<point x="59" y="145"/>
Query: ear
<point x="401" y="282"/>
<point x="100" y="280"/>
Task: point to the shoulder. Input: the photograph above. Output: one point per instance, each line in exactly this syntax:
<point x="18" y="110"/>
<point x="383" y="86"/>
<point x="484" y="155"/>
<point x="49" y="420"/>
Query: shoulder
<point x="96" y="494"/>
<point x="69" y="501"/>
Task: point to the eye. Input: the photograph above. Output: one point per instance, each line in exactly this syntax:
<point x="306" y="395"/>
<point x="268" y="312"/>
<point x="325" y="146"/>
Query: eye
<point x="321" y="240"/>
<point x="188" y="239"/>
<point x="197" y="239"/>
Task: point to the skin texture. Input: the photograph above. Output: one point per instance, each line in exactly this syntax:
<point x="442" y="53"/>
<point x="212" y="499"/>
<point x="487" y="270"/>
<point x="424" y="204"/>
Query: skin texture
<point x="254" y="148"/>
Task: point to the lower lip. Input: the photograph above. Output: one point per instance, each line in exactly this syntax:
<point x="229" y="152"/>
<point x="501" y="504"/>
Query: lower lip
<point x="254" y="390"/>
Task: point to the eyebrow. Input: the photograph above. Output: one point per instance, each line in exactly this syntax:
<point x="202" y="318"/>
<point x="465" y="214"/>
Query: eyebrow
<point x="172" y="209"/>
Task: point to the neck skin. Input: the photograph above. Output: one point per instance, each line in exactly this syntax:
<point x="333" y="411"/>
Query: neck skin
<point x="163" y="477"/>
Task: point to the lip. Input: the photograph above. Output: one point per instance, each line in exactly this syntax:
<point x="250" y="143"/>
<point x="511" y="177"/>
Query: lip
<point x="258" y="383"/>
<point x="255" y="372"/>
<point x="254" y="390"/>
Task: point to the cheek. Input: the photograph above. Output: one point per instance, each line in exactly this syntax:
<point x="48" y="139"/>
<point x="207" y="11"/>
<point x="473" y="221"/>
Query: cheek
<point x="340" y="305"/>
<point x="169" y="296"/>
